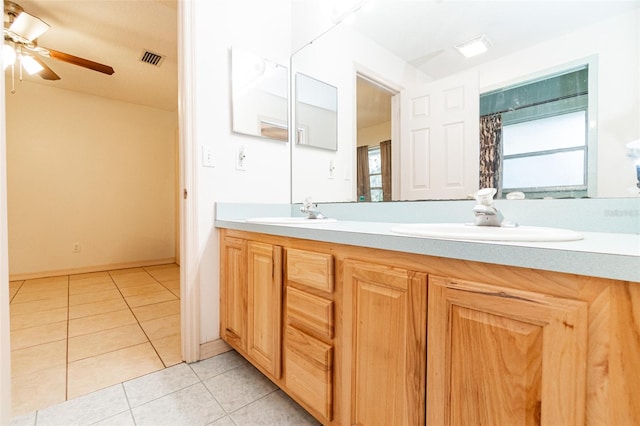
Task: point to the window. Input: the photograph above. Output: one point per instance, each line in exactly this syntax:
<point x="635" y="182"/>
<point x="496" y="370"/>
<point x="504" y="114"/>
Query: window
<point x="544" y="139"/>
<point x="375" y="173"/>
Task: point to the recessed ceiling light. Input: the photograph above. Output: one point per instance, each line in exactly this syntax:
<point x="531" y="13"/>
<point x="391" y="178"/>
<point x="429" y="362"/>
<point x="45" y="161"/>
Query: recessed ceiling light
<point x="475" y="46"/>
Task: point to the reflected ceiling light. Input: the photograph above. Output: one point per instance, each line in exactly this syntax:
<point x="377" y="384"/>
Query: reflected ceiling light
<point x="474" y="46"/>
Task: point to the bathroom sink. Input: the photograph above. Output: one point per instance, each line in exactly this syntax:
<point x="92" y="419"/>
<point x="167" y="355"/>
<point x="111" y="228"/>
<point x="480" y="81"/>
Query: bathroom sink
<point x="284" y="220"/>
<point x="462" y="231"/>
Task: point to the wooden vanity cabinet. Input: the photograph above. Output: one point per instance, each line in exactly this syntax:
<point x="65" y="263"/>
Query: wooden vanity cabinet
<point x="374" y="337"/>
<point x="251" y="301"/>
<point x="503" y="356"/>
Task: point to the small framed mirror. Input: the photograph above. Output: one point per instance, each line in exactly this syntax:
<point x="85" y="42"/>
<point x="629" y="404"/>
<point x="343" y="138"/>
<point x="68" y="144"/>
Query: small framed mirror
<point x="259" y="96"/>
<point x="316" y="113"/>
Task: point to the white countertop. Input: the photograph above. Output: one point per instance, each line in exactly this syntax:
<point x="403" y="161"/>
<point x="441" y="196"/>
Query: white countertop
<point x="599" y="254"/>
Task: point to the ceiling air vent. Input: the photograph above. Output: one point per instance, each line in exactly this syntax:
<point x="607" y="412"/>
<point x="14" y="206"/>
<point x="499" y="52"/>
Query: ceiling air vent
<point x="149" y="57"/>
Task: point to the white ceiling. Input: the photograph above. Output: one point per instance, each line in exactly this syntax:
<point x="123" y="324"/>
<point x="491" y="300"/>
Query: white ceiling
<point x="115" y="33"/>
<point x="424" y="33"/>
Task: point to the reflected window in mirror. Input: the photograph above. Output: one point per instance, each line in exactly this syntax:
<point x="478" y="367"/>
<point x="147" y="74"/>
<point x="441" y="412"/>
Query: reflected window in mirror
<point x="374" y="172"/>
<point x="533" y="137"/>
<point x="260" y="96"/>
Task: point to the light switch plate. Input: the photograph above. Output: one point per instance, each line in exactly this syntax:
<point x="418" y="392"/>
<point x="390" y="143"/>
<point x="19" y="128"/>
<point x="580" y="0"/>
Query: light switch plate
<point x="241" y="159"/>
<point x="207" y="156"/>
<point x="332" y="169"/>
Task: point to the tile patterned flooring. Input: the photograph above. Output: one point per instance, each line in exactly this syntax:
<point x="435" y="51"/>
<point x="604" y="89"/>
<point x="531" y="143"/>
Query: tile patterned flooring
<point x="72" y="335"/>
<point x="224" y="390"/>
<point x="104" y="349"/>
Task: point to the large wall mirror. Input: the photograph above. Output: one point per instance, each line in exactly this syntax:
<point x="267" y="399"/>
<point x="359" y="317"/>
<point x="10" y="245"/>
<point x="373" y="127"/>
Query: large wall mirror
<point x="259" y="99"/>
<point x="400" y="57"/>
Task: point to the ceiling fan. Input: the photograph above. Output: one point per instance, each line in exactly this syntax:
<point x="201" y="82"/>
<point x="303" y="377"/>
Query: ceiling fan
<point x="21" y="31"/>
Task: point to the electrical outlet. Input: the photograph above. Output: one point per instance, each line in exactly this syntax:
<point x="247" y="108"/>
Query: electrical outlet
<point x="207" y="156"/>
<point x="75" y="248"/>
<point x="241" y="159"/>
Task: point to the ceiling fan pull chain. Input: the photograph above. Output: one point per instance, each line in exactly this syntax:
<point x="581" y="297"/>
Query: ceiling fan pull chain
<point x="13" y="78"/>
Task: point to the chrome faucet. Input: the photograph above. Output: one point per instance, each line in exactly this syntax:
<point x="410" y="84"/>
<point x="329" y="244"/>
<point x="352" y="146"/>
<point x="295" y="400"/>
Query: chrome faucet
<point x="486" y="213"/>
<point x="311" y="210"/>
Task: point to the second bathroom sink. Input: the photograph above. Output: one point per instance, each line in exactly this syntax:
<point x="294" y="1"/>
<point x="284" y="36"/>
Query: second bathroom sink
<point x="462" y="231"/>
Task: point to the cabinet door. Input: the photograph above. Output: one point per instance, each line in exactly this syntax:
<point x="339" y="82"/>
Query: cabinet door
<point x="501" y="356"/>
<point x="233" y="292"/>
<point x="264" y="334"/>
<point x="385" y="321"/>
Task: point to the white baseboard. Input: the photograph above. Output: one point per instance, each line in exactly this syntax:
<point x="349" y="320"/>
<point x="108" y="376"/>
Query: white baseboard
<point x="87" y="269"/>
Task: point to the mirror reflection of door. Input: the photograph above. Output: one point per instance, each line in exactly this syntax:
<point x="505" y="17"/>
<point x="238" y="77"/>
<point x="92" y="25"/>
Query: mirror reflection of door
<point x="374" y="140"/>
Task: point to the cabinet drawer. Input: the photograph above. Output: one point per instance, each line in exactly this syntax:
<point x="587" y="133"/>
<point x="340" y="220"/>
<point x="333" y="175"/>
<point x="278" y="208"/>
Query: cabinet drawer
<point x="309" y="370"/>
<point x="312" y="269"/>
<point x="310" y="312"/>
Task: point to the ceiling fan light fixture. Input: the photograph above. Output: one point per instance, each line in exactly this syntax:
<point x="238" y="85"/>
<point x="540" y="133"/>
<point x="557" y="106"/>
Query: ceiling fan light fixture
<point x="8" y="56"/>
<point x="28" y="26"/>
<point x="475" y="46"/>
<point x="30" y="65"/>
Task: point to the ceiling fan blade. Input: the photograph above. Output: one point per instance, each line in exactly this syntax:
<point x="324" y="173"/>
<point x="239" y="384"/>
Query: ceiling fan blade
<point x="75" y="60"/>
<point x="47" y="73"/>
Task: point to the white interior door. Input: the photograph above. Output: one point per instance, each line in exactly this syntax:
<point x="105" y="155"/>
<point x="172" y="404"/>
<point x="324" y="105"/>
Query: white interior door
<point x="440" y="139"/>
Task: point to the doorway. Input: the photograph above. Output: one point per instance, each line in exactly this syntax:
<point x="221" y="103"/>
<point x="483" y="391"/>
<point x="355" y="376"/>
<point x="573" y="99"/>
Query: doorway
<point x="375" y="128"/>
<point x="155" y="278"/>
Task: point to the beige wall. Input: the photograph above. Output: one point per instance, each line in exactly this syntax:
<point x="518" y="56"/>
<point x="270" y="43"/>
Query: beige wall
<point x="87" y="170"/>
<point x="373" y="135"/>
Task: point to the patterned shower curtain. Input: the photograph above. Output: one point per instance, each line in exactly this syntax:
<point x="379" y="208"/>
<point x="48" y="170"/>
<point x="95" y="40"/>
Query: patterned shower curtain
<point x="490" y="148"/>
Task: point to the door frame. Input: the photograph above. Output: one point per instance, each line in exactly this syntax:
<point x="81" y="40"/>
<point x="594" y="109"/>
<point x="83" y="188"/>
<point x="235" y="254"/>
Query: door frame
<point x="189" y="277"/>
<point x="5" y="337"/>
<point x="394" y="89"/>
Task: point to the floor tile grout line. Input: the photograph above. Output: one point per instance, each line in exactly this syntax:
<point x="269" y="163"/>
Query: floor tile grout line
<point x="161" y="283"/>
<point x="111" y="351"/>
<point x="39" y="325"/>
<point x="227" y="413"/>
<point x="16" y="292"/>
<point x="103" y="329"/>
<point x="140" y="325"/>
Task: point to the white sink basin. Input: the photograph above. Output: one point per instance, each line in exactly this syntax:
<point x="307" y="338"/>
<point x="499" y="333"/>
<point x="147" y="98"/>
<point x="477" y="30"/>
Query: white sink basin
<point x="461" y="231"/>
<point x="288" y="220"/>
